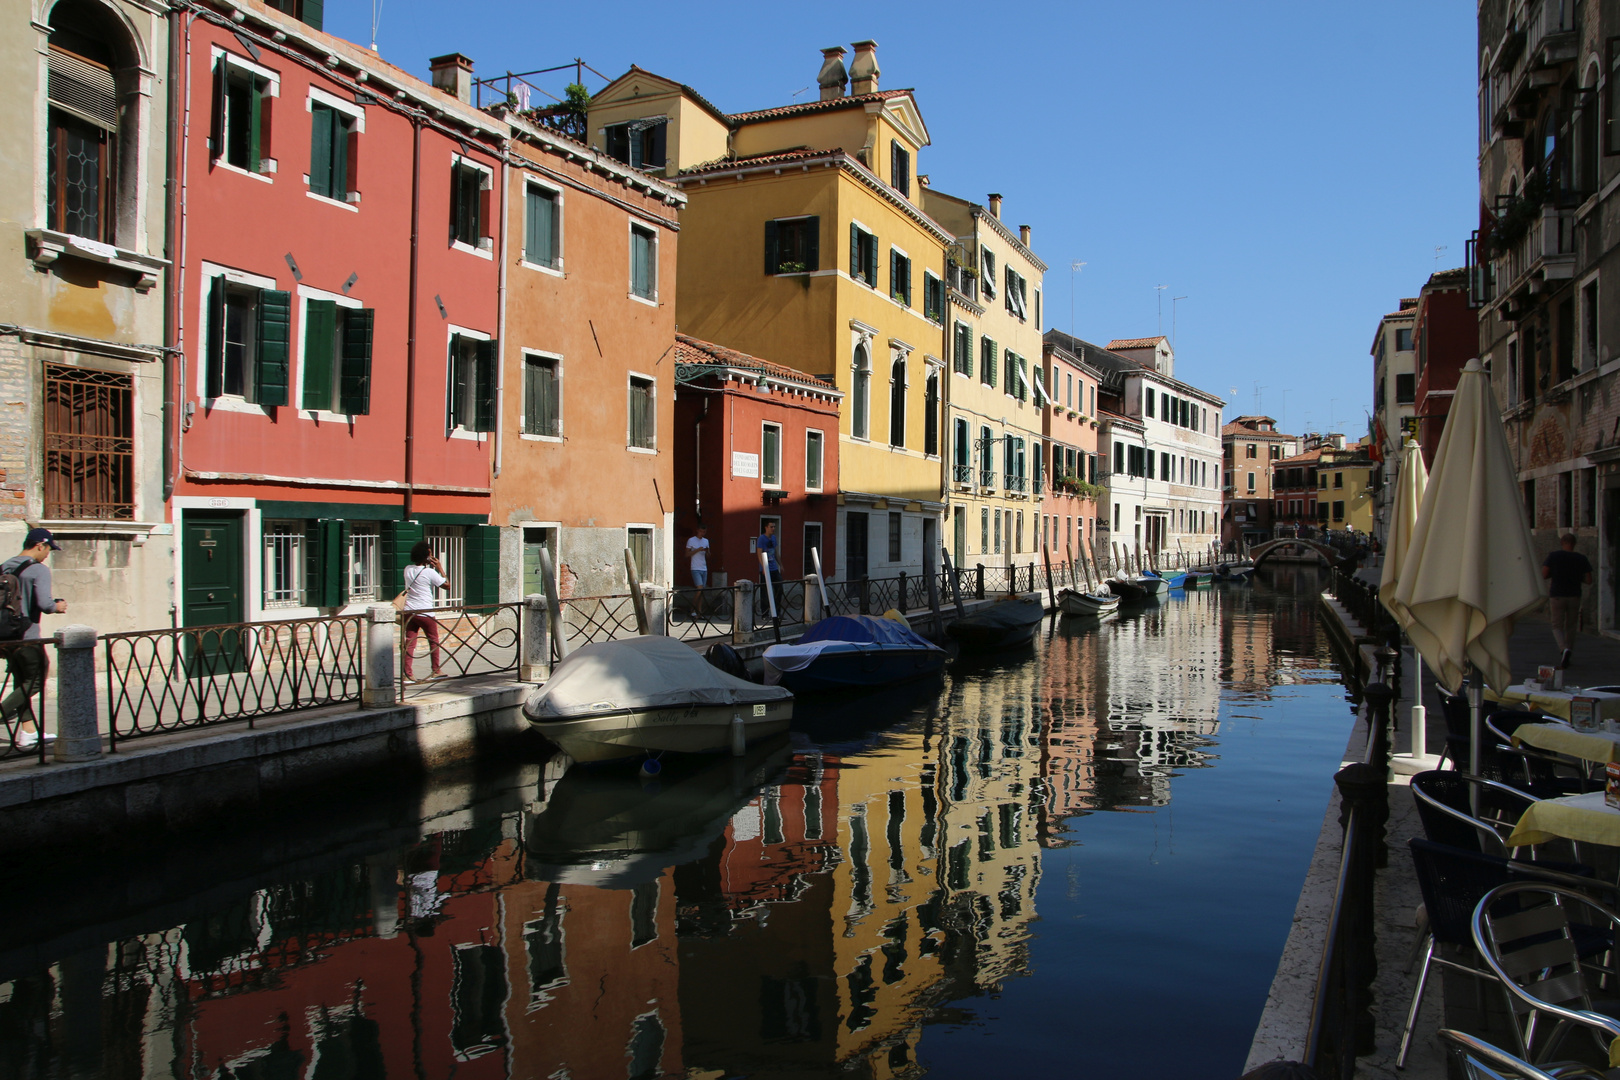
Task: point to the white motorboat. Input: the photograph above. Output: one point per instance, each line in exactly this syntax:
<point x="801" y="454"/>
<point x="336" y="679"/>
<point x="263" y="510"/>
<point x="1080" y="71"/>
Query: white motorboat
<point x="1075" y="602"/>
<point x="649" y="695"/>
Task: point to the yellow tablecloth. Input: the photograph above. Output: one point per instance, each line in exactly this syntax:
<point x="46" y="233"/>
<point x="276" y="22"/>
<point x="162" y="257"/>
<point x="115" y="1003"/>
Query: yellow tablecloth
<point x="1599" y="746"/>
<point x="1555" y="702"/>
<point x="1584" y="818"/>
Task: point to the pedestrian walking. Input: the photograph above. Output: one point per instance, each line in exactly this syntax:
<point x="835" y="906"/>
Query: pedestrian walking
<point x="1565" y="571"/>
<point x="697" y="550"/>
<point x="28" y="664"/>
<point x="767" y="544"/>
<point x="423" y="578"/>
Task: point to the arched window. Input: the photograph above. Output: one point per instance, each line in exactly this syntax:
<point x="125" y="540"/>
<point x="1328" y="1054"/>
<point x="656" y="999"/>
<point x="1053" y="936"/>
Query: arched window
<point x="931" y="414"/>
<point x="860" y="397"/>
<point x="897" y="402"/>
<point x="90" y="74"/>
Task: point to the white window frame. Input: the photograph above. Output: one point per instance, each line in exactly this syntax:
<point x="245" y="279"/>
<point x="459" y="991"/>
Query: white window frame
<point x="648" y="574"/>
<point x="533" y="180"/>
<point x="305" y="294"/>
<point x="653" y="449"/>
<point x="1581" y="366"/>
<point x="896" y="249"/>
<point x="631" y="225"/>
<point x="450" y="545"/>
<point x="856" y="371"/>
<point x="210" y="271"/>
<point x="452" y="331"/>
<point x="483" y="250"/>
<point x="300" y="563"/>
<point x="821" y="459"/>
<point x="267" y="166"/>
<point x="524" y="397"/>
<point x="873" y="285"/>
<point x="373" y="530"/>
<point x="929" y="275"/>
<point x="781" y="456"/>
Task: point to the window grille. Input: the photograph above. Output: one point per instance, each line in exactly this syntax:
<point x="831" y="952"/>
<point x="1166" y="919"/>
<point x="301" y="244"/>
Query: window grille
<point x="284" y="564"/>
<point x="450" y="545"/>
<point x="364" y="574"/>
<point x="89" y="444"/>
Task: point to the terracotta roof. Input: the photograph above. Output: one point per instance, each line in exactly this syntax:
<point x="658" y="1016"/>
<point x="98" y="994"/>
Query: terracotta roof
<point x="1300" y="459"/>
<point x="1408" y="313"/>
<point x="814" y="106"/>
<point x="1238" y="427"/>
<point x="691" y="350"/>
<point x="798" y="153"/>
<point x="1136" y="342"/>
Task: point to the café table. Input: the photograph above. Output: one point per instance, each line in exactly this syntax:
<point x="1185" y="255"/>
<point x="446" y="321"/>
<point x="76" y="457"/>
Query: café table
<point x="1601" y="747"/>
<point x="1556" y="702"/>
<point x="1586" y="819"/>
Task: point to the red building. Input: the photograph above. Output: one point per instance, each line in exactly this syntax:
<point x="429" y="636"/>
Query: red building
<point x="338" y="269"/>
<point x="755" y="442"/>
<point x="1445" y="336"/>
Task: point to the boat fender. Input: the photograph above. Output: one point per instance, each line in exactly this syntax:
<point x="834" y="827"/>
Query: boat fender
<point x="651" y="767"/>
<point x="739" y="739"/>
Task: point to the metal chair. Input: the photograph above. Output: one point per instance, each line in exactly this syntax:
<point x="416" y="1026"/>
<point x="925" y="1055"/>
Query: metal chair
<point x="1529" y="933"/>
<point x="1445" y="805"/>
<point x="1482" y="1061"/>
<point x="1453" y="881"/>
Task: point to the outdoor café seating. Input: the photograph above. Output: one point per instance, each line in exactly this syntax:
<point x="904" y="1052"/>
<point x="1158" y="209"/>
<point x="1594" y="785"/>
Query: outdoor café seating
<point x="1446" y="806"/>
<point x="1480" y="1059"/>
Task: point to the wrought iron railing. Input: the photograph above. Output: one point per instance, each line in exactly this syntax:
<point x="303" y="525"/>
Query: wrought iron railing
<point x="483" y="639"/>
<point x="1015" y="483"/>
<point x="962" y="474"/>
<point x="185" y="677"/>
<point x="987" y="478"/>
<point x="697" y="614"/>
<point x="22" y="696"/>
<point x="589" y="619"/>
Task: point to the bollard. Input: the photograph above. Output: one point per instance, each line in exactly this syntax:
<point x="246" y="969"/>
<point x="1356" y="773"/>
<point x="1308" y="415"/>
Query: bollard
<point x="656" y="602"/>
<point x="742" y="613"/>
<point x="978" y="581"/>
<point x="535" y="663"/>
<point x="78" y="717"/>
<point x="382" y="639"/>
<point x="812" y="599"/>
<point x="1364" y="790"/>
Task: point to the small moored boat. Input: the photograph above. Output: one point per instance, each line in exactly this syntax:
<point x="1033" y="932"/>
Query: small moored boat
<point x="1075" y="602"/>
<point x="844" y="652"/>
<point x="1139" y="588"/>
<point x="648" y="695"/>
<point x="1005" y="624"/>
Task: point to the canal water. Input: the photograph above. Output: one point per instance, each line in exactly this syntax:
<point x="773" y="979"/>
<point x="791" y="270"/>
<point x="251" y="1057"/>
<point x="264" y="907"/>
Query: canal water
<point x="1078" y="860"/>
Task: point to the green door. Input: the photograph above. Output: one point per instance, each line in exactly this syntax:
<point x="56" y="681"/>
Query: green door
<point x="211" y="594"/>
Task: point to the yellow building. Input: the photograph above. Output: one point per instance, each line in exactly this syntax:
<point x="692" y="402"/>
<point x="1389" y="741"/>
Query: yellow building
<point x="1344" y="496"/>
<point x="995" y="396"/>
<point x="805" y="240"/>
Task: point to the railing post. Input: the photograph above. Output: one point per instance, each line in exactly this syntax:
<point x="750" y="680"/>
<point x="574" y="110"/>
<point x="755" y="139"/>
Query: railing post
<point x="866" y="595"/>
<point x="1364" y="795"/>
<point x="742" y="613"/>
<point x="978" y="581"/>
<point x="900" y="606"/>
<point x="656" y="603"/>
<point x="535" y="663"/>
<point x="78" y="718"/>
<point x="382" y="639"/>
<point x="812" y="598"/>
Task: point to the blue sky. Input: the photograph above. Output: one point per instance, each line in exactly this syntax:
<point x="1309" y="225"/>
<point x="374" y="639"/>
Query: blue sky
<point x="1288" y="168"/>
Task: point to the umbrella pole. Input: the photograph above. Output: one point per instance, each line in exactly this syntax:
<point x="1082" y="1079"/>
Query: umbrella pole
<point x="1476" y="700"/>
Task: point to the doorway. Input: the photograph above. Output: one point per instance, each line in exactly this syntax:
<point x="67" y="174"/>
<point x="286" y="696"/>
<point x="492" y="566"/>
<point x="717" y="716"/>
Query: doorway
<point x="212" y="589"/>
<point x="855" y="563"/>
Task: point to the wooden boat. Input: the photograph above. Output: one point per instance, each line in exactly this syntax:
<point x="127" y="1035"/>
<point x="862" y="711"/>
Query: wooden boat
<point x="649" y="695"/>
<point x="1139" y="588"/>
<point x="1095" y="605"/>
<point x="843" y="652"/>
<point x="1005" y="624"/>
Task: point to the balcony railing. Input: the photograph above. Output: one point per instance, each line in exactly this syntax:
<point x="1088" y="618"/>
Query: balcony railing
<point x="1037" y="487"/>
<point x="987" y="478"/>
<point x="1548" y="246"/>
<point x="962" y="474"/>
<point x="1015" y="483"/>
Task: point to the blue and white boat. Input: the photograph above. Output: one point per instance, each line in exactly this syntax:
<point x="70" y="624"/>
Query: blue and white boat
<point x="845" y="652"/>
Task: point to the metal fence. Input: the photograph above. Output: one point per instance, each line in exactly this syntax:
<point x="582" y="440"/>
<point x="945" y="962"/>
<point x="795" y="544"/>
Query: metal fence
<point x="483" y="639"/>
<point x="588" y="619"/>
<point x="22" y="696"/>
<point x="168" y="680"/>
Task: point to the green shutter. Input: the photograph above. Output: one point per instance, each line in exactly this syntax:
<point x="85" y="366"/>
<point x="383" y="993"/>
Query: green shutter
<point x="540" y="234"/>
<point x="872" y="262"/>
<point x="320" y="332"/>
<point x="327" y="589"/>
<point x="340" y="157"/>
<point x="311" y="12"/>
<point x="398" y="537"/>
<point x="855" y="252"/>
<point x="321" y="118"/>
<point x="771" y="257"/>
<point x="255" y="148"/>
<point x="484" y="379"/>
<point x="455" y="399"/>
<point x="812" y="244"/>
<point x="216" y="131"/>
<point x="483" y="565"/>
<point x="354" y="380"/>
<point x="214" y="375"/>
<point x="274" y="332"/>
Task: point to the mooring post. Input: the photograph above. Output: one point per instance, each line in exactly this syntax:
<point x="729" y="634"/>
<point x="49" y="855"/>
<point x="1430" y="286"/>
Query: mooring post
<point x="78" y="716"/>
<point x="535" y="665"/>
<point x="382" y="641"/>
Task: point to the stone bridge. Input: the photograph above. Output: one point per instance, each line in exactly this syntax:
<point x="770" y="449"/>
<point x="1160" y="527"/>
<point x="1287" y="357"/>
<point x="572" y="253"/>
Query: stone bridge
<point x="1293" y="545"/>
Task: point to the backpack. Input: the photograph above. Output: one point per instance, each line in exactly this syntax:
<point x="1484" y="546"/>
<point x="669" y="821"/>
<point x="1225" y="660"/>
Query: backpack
<point x="15" y="618"/>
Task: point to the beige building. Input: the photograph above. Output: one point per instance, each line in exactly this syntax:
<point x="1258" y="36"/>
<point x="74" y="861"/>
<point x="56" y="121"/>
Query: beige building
<point x="83" y="151"/>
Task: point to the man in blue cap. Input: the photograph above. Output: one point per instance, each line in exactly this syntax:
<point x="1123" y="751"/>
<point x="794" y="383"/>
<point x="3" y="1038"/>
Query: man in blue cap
<point x="27" y="664"/>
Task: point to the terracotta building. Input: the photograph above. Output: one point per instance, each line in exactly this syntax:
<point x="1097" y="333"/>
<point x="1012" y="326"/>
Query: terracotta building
<point x="1445" y="336"/>
<point x="1251" y="445"/>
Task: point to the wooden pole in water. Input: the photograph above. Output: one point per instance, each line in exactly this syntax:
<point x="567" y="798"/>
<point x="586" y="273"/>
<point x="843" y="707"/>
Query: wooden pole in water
<point x="1051" y="591"/>
<point x="637" y="601"/>
<point x="770" y="593"/>
<point x="956" y="583"/>
<point x="931" y="570"/>
<point x="559" y="632"/>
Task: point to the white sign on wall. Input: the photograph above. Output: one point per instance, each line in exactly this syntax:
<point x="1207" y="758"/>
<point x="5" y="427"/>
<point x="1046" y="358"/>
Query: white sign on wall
<point x="744" y="464"/>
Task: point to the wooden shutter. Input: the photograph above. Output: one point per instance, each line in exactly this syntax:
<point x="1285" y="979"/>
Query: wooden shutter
<point x="255" y="118"/>
<point x="214" y="375"/>
<point x="488" y="355"/>
<point x="482" y="572"/>
<point x="540" y="238"/>
<point x="397" y="539"/>
<point x="812" y="243"/>
<point x="326" y="589"/>
<point x="855" y="252"/>
<point x="771" y="257"/>
<point x="354" y="379"/>
<point x="660" y="146"/>
<point x="320" y="333"/>
<point x="274" y="333"/>
<point x="872" y="261"/>
<point x="311" y="12"/>
<point x="455" y="403"/>
<point x="216" y="132"/>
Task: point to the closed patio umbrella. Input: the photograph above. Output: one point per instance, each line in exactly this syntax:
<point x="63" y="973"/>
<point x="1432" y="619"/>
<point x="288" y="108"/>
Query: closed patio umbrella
<point x="1469" y="570"/>
<point x="1403" y="514"/>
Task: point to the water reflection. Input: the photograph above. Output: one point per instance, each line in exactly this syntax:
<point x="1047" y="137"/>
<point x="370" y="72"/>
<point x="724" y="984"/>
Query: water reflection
<point x="840" y="903"/>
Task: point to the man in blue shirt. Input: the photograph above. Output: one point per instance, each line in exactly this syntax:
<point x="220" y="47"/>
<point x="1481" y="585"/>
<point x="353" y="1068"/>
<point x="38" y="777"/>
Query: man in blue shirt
<point x="767" y="545"/>
<point x="27" y="664"/>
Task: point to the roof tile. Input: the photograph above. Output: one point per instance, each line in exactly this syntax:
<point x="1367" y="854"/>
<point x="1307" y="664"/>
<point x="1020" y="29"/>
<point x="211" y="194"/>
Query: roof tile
<point x="691" y="350"/>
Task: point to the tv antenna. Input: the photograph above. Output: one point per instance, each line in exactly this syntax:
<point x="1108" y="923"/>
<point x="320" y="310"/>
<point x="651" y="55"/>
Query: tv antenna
<point x="1173" y="300"/>
<point x="376" y="18"/>
<point x="1160" y="290"/>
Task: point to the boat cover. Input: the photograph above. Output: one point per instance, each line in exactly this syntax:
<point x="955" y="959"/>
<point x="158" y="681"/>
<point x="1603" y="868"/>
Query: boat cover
<point x="1005" y="615"/>
<point x="843" y="632"/>
<point x="640" y="673"/>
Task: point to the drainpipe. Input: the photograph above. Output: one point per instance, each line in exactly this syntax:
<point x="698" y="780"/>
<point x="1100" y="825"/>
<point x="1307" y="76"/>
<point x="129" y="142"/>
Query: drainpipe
<point x="500" y="324"/>
<point x="697" y="459"/>
<point x="410" y="316"/>
<point x="171" y="299"/>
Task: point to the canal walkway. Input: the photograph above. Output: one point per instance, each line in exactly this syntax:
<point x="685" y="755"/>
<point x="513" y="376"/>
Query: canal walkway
<point x="1283" y="1027"/>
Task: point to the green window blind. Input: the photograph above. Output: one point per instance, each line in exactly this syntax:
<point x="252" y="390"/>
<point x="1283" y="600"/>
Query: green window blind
<point x="643" y="269"/>
<point x="320" y="333"/>
<point x="354" y="380"/>
<point x="542" y="412"/>
<point x="274" y="333"/>
<point x="482" y="574"/>
<point x="328" y="152"/>
<point x="987" y="361"/>
<point x="486" y="356"/>
<point x="540" y="227"/>
<point x="398" y="537"/>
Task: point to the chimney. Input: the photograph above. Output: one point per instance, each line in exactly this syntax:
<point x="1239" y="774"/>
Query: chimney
<point x="863" y="70"/>
<point x="995" y="205"/>
<point x="832" y="77"/>
<point x="1023" y="235"/>
<point x="454" y="75"/>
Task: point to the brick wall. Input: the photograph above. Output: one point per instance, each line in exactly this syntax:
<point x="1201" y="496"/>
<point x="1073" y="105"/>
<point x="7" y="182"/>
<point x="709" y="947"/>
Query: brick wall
<point x="17" y="362"/>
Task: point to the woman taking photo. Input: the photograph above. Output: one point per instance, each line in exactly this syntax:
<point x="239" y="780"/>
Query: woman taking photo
<point x="423" y="578"/>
